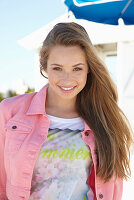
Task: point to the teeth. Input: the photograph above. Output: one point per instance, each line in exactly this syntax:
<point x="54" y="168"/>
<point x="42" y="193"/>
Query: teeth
<point x="67" y="88"/>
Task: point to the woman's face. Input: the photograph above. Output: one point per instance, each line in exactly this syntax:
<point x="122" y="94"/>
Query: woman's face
<point x="67" y="70"/>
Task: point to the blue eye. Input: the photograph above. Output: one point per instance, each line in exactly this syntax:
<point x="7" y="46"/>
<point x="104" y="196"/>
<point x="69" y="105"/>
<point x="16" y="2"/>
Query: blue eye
<point x="77" y="69"/>
<point x="57" y="68"/>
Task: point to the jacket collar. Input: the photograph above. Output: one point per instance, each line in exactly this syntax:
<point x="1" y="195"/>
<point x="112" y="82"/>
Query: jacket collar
<point x="37" y="105"/>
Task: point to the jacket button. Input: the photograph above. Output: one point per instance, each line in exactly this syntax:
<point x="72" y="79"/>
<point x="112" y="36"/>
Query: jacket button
<point x="86" y="133"/>
<point x="14" y="127"/>
<point x="101" y="196"/>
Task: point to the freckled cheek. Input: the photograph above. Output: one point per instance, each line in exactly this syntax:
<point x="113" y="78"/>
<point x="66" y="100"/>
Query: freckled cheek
<point x="78" y="75"/>
<point x="53" y="77"/>
<point x="81" y="77"/>
<point x="82" y="80"/>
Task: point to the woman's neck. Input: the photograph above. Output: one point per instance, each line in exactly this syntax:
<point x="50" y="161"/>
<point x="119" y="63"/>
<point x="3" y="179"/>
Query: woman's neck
<point x="59" y="107"/>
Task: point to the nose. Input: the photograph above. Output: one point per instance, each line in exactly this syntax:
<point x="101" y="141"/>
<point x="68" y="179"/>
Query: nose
<point x="67" y="78"/>
<point x="66" y="75"/>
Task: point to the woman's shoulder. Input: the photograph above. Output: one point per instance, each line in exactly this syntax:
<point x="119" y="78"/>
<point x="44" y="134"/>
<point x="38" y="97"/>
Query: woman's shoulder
<point x="8" y="102"/>
<point x="10" y="106"/>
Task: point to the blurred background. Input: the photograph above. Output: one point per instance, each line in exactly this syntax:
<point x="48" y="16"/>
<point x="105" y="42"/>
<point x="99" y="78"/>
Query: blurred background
<point x="24" y="26"/>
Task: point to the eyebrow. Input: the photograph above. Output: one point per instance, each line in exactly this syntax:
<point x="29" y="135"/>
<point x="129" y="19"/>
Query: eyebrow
<point x="72" y="66"/>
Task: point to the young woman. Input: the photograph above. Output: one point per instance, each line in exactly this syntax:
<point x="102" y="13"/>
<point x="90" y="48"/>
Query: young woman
<point x="70" y="140"/>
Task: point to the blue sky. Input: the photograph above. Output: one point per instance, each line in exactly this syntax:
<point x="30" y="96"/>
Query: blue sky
<point x="17" y="20"/>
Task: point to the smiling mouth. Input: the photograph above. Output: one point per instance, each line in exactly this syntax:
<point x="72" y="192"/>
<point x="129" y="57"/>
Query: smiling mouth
<point x="69" y="89"/>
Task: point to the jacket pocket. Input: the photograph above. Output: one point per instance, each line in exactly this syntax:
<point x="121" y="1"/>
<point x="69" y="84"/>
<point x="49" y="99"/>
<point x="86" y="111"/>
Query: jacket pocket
<point x="16" y="133"/>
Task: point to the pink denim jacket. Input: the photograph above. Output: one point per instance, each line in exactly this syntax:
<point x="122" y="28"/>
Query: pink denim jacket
<point x="23" y="129"/>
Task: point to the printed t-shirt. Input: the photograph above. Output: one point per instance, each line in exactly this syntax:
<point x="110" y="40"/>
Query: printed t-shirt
<point x="63" y="164"/>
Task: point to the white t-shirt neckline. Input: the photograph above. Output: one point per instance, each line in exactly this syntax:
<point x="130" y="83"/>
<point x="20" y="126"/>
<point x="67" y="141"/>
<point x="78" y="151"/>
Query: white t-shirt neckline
<point x="64" y="123"/>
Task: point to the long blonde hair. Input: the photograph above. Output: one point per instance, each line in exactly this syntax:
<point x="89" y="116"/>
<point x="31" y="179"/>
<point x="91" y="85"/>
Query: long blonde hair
<point x="96" y="103"/>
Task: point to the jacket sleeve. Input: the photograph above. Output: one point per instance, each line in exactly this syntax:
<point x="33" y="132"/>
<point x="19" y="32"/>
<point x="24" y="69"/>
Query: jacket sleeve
<point x="2" y="142"/>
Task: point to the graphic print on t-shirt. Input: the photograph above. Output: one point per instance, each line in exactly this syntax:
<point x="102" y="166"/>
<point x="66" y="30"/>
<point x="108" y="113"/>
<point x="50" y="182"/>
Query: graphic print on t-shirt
<point x="62" y="167"/>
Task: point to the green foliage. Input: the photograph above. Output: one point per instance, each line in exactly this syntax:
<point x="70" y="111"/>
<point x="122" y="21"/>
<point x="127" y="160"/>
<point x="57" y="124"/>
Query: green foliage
<point x="11" y="93"/>
<point x="1" y="96"/>
<point x="29" y="90"/>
